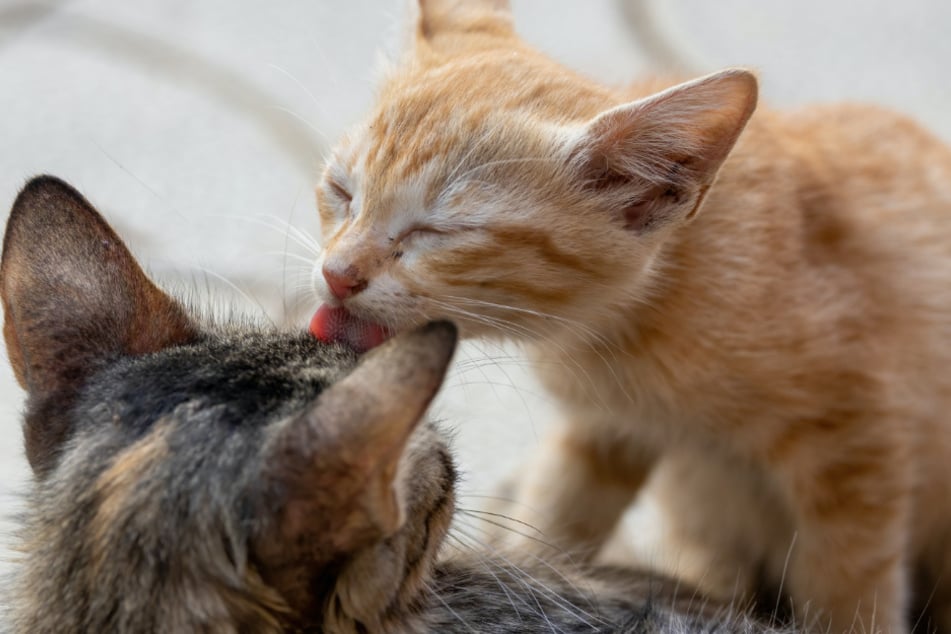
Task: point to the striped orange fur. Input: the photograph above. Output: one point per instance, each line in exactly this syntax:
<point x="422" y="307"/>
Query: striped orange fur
<point x="765" y="298"/>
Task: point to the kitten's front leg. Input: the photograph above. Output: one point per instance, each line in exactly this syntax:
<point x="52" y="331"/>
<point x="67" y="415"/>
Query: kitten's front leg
<point x="850" y="559"/>
<point x="577" y="486"/>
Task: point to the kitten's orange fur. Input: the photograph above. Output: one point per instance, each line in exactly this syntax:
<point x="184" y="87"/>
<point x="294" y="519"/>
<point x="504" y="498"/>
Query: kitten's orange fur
<point x="784" y="332"/>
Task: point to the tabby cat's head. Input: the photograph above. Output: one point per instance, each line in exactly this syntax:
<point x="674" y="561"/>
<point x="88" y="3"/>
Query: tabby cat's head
<point x="192" y="478"/>
<point x="495" y="187"/>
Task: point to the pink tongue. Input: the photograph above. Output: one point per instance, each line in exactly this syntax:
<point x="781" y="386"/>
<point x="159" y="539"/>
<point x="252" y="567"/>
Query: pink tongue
<point x="332" y="325"/>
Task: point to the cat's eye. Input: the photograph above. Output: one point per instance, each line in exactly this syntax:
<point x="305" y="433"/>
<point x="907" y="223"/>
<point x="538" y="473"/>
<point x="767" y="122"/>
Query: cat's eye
<point x="340" y="191"/>
<point x="419" y="231"/>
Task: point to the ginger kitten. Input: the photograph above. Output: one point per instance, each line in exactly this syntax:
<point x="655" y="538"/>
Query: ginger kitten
<point x="763" y="301"/>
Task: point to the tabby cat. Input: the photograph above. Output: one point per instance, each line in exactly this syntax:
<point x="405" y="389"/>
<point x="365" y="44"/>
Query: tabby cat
<point x="762" y="301"/>
<point x="226" y="478"/>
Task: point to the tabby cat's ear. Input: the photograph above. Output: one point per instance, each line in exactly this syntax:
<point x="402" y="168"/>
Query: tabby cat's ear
<point x="73" y="296"/>
<point x="457" y="17"/>
<point x="653" y="160"/>
<point x="340" y="460"/>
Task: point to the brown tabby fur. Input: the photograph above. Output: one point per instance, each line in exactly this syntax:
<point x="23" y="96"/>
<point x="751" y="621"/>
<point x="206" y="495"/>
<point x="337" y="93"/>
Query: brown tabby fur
<point x="764" y="300"/>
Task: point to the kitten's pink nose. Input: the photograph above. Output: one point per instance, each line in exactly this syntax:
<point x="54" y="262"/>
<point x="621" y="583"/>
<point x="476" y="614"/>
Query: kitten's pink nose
<point x="343" y="284"/>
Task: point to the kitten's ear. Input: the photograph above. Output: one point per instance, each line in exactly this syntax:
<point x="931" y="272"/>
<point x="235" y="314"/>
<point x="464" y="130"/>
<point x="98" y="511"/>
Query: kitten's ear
<point x="341" y="458"/>
<point x="457" y="17"/>
<point x="653" y="160"/>
<point x="73" y="296"/>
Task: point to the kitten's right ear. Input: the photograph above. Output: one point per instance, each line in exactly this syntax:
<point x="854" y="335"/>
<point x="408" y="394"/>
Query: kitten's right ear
<point x="338" y="463"/>
<point x="462" y="17"/>
<point x="652" y="161"/>
<point x="73" y="297"/>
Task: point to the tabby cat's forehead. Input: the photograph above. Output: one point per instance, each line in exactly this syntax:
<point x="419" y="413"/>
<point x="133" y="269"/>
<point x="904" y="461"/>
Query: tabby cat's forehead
<point x="256" y="375"/>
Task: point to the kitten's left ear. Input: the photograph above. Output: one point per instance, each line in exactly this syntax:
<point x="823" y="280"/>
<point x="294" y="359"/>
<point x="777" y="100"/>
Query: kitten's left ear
<point x="463" y="17"/>
<point x="652" y="161"/>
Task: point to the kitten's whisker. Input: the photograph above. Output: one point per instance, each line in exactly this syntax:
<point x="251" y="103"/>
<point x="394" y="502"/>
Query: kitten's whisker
<point x="782" y="578"/>
<point x="302" y="239"/>
<point x="519" y="331"/>
<point x="294" y="256"/>
<point x="300" y="85"/>
<point x="311" y="126"/>
<point x="594" y="334"/>
<point x="302" y="236"/>
<point x="519" y="393"/>
<point x="927" y="604"/>
<point x="499" y="324"/>
<point x="598" y="338"/>
<point x="240" y="291"/>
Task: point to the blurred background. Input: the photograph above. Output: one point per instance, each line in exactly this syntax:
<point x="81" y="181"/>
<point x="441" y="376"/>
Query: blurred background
<point x="198" y="127"/>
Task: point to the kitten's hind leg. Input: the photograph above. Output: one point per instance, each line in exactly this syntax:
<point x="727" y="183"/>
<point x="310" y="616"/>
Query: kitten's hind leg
<point x="575" y="490"/>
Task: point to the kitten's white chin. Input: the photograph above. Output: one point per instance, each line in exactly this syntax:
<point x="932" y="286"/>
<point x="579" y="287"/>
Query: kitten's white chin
<point x="333" y="324"/>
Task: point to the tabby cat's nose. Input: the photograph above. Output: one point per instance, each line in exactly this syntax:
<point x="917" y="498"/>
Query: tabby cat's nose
<point x="344" y="284"/>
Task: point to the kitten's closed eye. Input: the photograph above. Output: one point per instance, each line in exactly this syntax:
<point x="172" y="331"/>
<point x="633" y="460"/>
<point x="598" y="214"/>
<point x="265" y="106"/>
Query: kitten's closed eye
<point x="341" y="196"/>
<point x="417" y="231"/>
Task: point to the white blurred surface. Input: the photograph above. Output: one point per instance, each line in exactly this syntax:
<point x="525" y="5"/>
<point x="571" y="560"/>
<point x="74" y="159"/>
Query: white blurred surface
<point x="199" y="127"/>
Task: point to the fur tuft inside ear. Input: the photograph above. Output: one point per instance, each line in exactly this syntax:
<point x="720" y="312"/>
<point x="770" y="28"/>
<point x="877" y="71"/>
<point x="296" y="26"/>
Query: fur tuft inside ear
<point x="653" y="160"/>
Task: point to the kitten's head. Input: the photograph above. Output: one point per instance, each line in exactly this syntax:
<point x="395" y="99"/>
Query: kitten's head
<point x="193" y="478"/>
<point x="494" y="187"/>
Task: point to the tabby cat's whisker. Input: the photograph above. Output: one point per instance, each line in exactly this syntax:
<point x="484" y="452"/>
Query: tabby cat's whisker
<point x="537" y="540"/>
<point x="545" y="562"/>
<point x="523" y="579"/>
<point x="542" y="587"/>
<point x="477" y="512"/>
<point x="486" y="565"/>
<point x="453" y="612"/>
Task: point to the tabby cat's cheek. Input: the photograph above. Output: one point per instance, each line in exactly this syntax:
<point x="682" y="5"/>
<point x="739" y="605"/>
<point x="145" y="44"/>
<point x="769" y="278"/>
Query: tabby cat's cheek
<point x="338" y="325"/>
